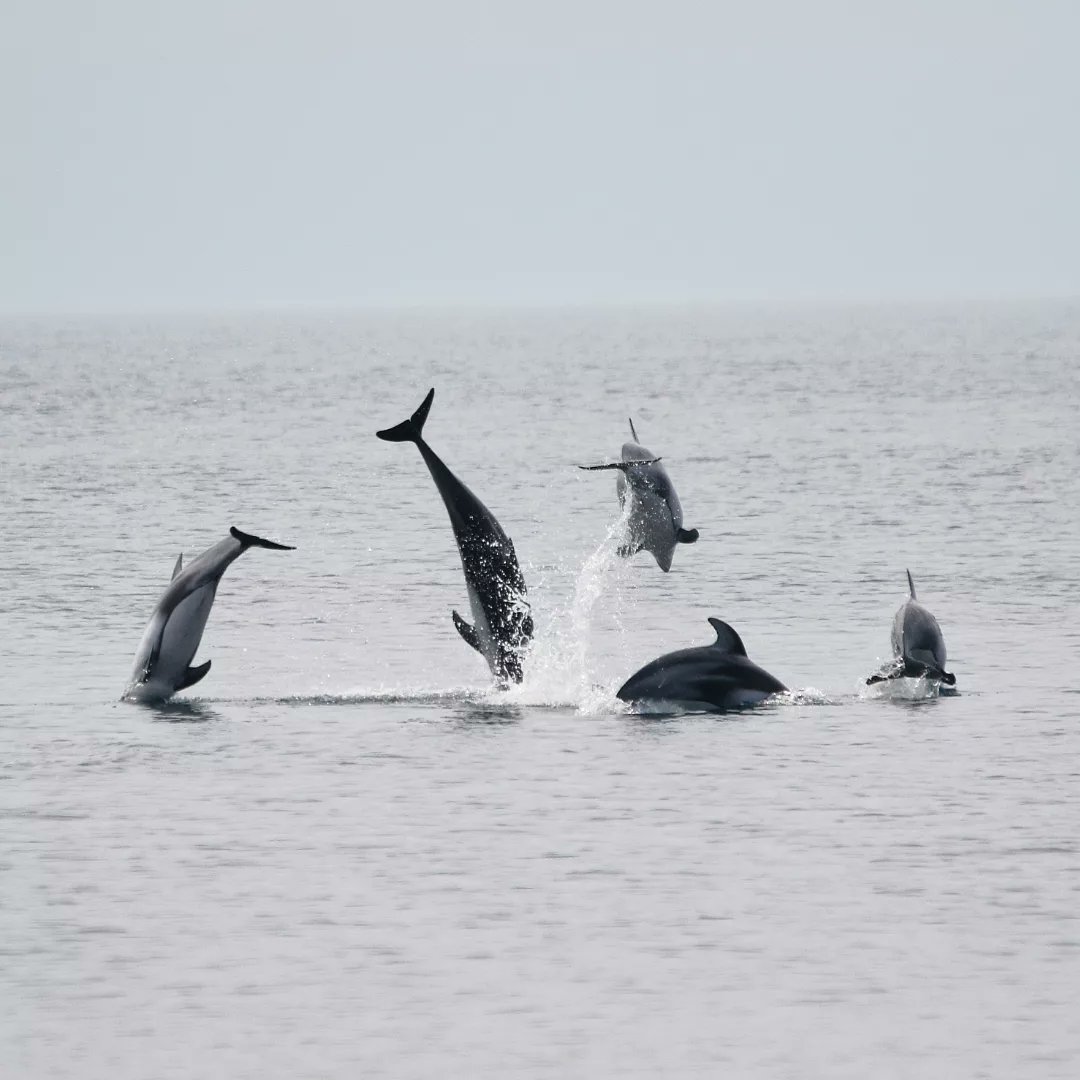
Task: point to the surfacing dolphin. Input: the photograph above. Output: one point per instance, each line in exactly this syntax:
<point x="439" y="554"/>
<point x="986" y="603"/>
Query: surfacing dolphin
<point x="502" y="622"/>
<point x="716" y="677"/>
<point x="655" y="518"/>
<point x="162" y="661"/>
<point x="918" y="645"/>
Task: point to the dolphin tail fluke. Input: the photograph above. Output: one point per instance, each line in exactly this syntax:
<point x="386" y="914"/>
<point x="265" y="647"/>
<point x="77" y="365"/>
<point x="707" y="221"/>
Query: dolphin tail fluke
<point x="194" y="675"/>
<point x="467" y="632"/>
<point x="257" y="541"/>
<point x="622" y="466"/>
<point x="911" y="584"/>
<point x="411" y="430"/>
<point x="687" y="536"/>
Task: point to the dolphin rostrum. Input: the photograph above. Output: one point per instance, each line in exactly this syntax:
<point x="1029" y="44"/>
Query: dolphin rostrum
<point x="918" y="645"/>
<point x="719" y="676"/>
<point x="655" y="517"/>
<point x="162" y="661"/>
<point x="502" y="621"/>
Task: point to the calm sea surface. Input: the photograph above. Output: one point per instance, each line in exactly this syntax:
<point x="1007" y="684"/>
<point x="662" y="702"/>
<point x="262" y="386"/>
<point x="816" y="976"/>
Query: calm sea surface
<point x="343" y="854"/>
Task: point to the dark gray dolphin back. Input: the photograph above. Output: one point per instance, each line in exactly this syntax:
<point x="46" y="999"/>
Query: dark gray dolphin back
<point x="719" y="675"/>
<point x="488" y="559"/>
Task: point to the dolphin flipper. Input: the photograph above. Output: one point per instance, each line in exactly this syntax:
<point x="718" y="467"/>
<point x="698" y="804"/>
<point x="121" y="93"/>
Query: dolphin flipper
<point x="687" y="536"/>
<point x="622" y="466"/>
<point x="467" y="632"/>
<point x="194" y="675"/>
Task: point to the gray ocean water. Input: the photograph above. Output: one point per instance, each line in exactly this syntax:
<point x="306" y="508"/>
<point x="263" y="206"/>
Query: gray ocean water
<point x="344" y="854"/>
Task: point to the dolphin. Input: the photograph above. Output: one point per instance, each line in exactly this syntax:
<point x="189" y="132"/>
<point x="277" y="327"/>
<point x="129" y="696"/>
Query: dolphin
<point x="656" y="518"/>
<point x="716" y="677"/>
<point x="172" y="637"/>
<point x="502" y="621"/>
<point x="918" y="646"/>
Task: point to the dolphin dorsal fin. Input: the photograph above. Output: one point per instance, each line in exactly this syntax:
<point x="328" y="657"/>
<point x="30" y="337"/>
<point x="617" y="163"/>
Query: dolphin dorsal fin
<point x="179" y="565"/>
<point x="911" y="584"/>
<point x="726" y="638"/>
<point x="633" y="432"/>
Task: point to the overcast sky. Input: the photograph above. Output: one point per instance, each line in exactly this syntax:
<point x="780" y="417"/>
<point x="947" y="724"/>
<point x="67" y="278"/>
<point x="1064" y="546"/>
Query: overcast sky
<point x="217" y="154"/>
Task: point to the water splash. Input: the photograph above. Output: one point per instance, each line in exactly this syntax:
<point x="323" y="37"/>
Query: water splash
<point x="561" y="669"/>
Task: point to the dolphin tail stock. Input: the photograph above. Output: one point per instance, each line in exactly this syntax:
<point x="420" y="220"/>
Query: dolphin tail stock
<point x="687" y="536"/>
<point x="622" y="466"/>
<point x="194" y="675"/>
<point x="911" y="584"/>
<point x="467" y="632"/>
<point x="257" y="541"/>
<point x="411" y="430"/>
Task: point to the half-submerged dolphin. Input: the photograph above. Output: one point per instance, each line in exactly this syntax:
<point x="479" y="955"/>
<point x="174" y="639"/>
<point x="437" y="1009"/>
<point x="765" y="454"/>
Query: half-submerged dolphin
<point x="655" y="519"/>
<point x="502" y="622"/>
<point x="162" y="662"/>
<point x="918" y="646"/>
<point x="719" y="676"/>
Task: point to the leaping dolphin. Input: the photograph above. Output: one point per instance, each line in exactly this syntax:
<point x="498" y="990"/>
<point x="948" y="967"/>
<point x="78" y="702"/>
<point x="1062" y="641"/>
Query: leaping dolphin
<point x="918" y="645"/>
<point x="502" y="621"/>
<point x="717" y="677"/>
<point x="172" y="637"/>
<point x="656" y="517"/>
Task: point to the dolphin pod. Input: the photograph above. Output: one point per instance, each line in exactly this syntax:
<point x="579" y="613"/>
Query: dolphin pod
<point x="716" y="677"/>
<point x="171" y="639"/>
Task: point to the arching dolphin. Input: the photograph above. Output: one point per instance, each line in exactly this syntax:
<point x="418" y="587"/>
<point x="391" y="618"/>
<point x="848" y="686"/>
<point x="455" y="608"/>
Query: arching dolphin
<point x="918" y="646"/>
<point x="655" y="518"/>
<point x="502" y="622"/>
<point x="172" y="637"/>
<point x="719" y="676"/>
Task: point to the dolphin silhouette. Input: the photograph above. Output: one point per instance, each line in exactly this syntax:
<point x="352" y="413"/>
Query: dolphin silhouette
<point x="502" y="621"/>
<point x="171" y="639"/>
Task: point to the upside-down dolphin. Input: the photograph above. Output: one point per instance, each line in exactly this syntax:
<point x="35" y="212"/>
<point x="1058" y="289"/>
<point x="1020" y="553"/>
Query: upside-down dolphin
<point x="172" y="637"/>
<point x="719" y="676"/>
<point x="918" y="645"/>
<point x="502" y="621"/>
<point x="655" y="518"/>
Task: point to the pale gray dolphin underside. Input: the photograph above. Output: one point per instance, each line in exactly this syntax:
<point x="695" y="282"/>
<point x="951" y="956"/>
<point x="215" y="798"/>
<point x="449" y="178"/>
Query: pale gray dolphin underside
<point x="654" y="516"/>
<point x="163" y="659"/>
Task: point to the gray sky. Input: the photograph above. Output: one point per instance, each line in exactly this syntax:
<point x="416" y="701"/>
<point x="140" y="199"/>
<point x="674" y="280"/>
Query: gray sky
<point x="223" y="154"/>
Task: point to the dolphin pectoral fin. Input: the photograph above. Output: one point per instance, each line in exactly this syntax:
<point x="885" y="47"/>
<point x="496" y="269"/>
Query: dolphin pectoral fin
<point x="257" y="541"/>
<point x="179" y="565"/>
<point x="622" y="466"/>
<point x="948" y="678"/>
<point x="467" y="632"/>
<point x="687" y="536"/>
<point x="194" y="675"/>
